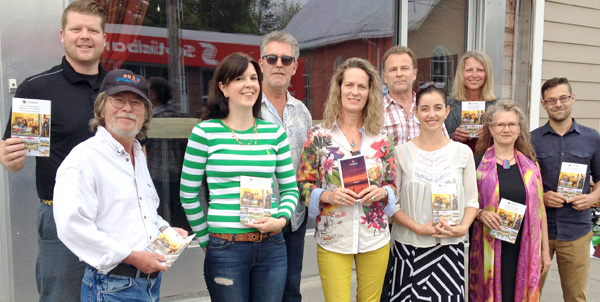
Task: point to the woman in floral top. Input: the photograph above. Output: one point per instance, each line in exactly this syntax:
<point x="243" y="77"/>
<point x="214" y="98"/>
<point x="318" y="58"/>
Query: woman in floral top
<point x="351" y="224"/>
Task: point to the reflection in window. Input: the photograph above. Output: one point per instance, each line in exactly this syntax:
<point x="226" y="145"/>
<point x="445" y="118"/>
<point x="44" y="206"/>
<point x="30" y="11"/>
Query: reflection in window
<point x="437" y="34"/>
<point x="442" y="66"/>
<point x="208" y="30"/>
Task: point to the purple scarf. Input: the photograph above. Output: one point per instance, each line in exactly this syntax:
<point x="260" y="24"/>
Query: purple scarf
<point x="485" y="282"/>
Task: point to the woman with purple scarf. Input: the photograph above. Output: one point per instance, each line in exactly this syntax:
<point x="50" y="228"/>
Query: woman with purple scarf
<point x="507" y="169"/>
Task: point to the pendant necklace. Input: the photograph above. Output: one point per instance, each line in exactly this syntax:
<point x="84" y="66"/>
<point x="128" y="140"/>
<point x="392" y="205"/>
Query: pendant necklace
<point x="505" y="162"/>
<point x="353" y="144"/>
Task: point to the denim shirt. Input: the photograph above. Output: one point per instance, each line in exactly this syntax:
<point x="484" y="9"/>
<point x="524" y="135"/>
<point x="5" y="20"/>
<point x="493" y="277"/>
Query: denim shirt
<point x="578" y="145"/>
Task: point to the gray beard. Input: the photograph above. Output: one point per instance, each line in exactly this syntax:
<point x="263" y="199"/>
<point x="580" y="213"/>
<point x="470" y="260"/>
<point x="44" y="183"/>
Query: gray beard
<point x="120" y="132"/>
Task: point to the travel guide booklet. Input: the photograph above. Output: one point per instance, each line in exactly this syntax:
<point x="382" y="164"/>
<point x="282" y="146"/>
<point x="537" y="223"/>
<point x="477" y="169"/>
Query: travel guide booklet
<point x="30" y="121"/>
<point x="255" y="198"/>
<point x="353" y="173"/>
<point x="169" y="244"/>
<point x="571" y="179"/>
<point x="512" y="214"/>
<point x="471" y="117"/>
<point x="444" y="203"/>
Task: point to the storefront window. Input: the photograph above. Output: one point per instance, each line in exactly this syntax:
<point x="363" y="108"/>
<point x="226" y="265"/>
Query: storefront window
<point x="139" y="33"/>
<point x="437" y="35"/>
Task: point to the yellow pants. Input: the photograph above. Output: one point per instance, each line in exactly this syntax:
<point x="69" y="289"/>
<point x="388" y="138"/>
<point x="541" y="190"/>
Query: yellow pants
<point x="336" y="273"/>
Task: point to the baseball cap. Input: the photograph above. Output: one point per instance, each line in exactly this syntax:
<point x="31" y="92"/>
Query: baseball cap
<point x="121" y="80"/>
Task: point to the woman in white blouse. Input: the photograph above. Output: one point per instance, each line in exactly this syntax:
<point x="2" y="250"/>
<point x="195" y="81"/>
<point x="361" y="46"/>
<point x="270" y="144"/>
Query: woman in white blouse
<point x="437" y="202"/>
<point x="351" y="222"/>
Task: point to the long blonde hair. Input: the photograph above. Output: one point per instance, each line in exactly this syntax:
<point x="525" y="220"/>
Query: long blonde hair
<point x="523" y="143"/>
<point x="373" y="110"/>
<point x="459" y="92"/>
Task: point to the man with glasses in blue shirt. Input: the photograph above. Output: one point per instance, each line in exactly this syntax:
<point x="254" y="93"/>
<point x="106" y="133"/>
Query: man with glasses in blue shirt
<point x="561" y="142"/>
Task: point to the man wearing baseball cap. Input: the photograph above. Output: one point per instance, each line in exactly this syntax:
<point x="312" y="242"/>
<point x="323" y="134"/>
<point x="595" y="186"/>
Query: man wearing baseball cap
<point x="104" y="200"/>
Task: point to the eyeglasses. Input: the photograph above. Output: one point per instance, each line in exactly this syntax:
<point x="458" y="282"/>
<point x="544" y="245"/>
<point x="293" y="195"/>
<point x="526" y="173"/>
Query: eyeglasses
<point x="511" y="126"/>
<point x="119" y="103"/>
<point x="285" y="60"/>
<point x="438" y="85"/>
<point x="563" y="99"/>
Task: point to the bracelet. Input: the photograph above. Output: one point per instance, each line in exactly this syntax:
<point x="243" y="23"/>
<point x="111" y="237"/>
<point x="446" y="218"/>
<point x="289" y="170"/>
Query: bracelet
<point x="479" y="214"/>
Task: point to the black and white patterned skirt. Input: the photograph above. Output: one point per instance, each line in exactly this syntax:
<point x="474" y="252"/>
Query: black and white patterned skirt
<point x="428" y="274"/>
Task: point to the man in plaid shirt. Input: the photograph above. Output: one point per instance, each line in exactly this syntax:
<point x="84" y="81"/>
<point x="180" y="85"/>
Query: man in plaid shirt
<point x="399" y="74"/>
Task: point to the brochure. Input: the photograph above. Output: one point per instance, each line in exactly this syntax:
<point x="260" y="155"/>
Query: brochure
<point x="444" y="203"/>
<point x="472" y="116"/>
<point x="571" y="179"/>
<point x="353" y="173"/>
<point x="169" y="244"/>
<point x="512" y="214"/>
<point x="255" y="198"/>
<point x="30" y="121"/>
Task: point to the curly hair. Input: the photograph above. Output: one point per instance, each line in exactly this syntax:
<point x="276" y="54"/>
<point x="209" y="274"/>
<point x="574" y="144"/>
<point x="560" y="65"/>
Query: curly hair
<point x="523" y="143"/>
<point x="99" y="120"/>
<point x="233" y="66"/>
<point x="459" y="92"/>
<point x="373" y="110"/>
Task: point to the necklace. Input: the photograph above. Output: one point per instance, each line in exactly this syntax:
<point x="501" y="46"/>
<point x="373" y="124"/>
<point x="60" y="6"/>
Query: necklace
<point x="353" y="144"/>
<point x="252" y="138"/>
<point x="505" y="162"/>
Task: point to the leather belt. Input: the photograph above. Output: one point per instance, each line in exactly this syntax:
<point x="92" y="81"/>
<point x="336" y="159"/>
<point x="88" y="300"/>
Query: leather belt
<point x="47" y="201"/>
<point x="245" y="237"/>
<point x="132" y="272"/>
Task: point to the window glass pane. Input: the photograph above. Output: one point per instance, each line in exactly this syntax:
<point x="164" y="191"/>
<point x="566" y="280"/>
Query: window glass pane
<point x="437" y="35"/>
<point x="203" y="32"/>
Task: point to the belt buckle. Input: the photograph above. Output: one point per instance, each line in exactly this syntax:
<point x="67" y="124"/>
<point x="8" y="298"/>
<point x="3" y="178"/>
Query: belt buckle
<point x="260" y="236"/>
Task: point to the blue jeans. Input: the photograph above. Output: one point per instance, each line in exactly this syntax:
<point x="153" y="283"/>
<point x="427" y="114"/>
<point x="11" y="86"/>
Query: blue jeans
<point x="111" y="288"/>
<point x="294" y="244"/>
<point x="58" y="272"/>
<point x="246" y="271"/>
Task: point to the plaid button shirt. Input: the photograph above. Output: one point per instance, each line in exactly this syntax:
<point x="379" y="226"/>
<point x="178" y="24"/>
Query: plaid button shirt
<point x="402" y="126"/>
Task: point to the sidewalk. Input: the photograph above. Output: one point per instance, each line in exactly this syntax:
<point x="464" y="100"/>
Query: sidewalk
<point x="312" y="292"/>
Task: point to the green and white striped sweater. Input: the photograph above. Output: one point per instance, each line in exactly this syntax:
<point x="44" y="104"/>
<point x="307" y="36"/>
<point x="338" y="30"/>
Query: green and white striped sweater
<point x="214" y="152"/>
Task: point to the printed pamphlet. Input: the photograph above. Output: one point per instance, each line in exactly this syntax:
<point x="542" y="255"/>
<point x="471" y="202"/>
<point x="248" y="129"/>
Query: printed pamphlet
<point x="255" y="198"/>
<point x="571" y="179"/>
<point x="444" y="203"/>
<point x="353" y="173"/>
<point x="30" y="121"/>
<point x="472" y="116"/>
<point x="512" y="214"/>
<point x="169" y="244"/>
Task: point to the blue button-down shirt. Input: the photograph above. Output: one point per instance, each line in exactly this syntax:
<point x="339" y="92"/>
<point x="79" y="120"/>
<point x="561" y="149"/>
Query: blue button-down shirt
<point x="578" y="145"/>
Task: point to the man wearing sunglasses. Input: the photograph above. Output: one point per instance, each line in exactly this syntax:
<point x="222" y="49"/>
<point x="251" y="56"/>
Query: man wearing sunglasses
<point x="279" y="52"/>
<point x="562" y="142"/>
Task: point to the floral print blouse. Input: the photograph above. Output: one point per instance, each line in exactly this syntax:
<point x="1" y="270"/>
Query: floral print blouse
<point x="347" y="229"/>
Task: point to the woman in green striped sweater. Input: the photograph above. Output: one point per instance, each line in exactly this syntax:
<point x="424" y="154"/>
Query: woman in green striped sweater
<point x="238" y="154"/>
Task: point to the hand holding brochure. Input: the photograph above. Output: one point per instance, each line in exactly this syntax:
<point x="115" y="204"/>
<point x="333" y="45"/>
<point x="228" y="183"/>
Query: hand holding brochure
<point x="30" y="121"/>
<point x="472" y="116"/>
<point x="444" y="203"/>
<point x="353" y="173"/>
<point x="512" y="214"/>
<point x="169" y="244"/>
<point x="571" y="179"/>
<point x="255" y="198"/>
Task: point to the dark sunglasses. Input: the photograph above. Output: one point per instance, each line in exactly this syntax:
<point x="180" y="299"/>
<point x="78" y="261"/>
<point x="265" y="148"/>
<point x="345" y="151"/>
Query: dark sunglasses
<point x="285" y="60"/>
<point x="438" y="85"/>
